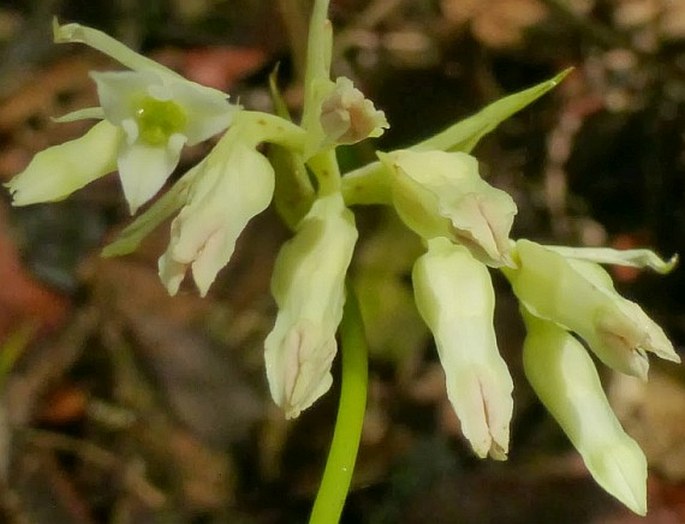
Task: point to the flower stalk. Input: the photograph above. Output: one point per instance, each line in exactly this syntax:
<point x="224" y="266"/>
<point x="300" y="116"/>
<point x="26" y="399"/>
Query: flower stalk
<point x="342" y="456"/>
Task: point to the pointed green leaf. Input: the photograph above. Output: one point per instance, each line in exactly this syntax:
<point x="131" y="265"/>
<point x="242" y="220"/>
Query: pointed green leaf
<point x="465" y="134"/>
<point x="639" y="258"/>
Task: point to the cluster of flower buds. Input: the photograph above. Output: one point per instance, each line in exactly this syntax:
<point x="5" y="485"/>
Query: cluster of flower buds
<point x="149" y="113"/>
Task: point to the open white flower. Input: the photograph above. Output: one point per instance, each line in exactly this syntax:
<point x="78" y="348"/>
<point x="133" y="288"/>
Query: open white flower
<point x="155" y="112"/>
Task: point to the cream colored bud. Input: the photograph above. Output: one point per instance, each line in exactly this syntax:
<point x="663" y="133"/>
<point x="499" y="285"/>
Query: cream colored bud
<point x="441" y="194"/>
<point x="308" y="284"/>
<point x="579" y="296"/>
<point x="348" y="117"/>
<point x="566" y="381"/>
<point x="455" y="297"/>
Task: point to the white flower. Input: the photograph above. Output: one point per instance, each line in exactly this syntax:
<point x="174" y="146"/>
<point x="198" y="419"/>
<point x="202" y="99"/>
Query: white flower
<point x="441" y="194"/>
<point x="455" y="297"/>
<point x="156" y="112"/>
<point x="308" y="286"/>
<point x="564" y="377"/>
<point x="159" y="115"/>
<point x="232" y="185"/>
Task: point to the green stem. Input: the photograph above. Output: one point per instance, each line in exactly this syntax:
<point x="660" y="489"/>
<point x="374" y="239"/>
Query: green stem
<point x="370" y="184"/>
<point x="348" y="425"/>
<point x="325" y="167"/>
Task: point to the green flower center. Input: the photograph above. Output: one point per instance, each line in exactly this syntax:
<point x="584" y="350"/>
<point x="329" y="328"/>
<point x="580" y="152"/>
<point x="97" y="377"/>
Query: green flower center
<point x="158" y="120"/>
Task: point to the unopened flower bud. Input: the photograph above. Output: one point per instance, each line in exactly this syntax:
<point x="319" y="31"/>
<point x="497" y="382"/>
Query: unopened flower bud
<point x="455" y="297"/>
<point x="441" y="194"/>
<point x="58" y="171"/>
<point x="233" y="184"/>
<point x="580" y="296"/>
<point x="566" y="381"/>
<point x="308" y="286"/>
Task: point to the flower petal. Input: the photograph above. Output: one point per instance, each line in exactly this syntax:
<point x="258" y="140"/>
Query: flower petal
<point x="144" y="169"/>
<point x="208" y="110"/>
<point x="118" y="90"/>
<point x="58" y="171"/>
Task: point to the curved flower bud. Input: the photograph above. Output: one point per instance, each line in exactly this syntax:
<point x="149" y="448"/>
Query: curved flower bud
<point x="441" y="194"/>
<point x="580" y="296"/>
<point x="566" y="381"/>
<point x="233" y="185"/>
<point x="156" y="111"/>
<point x="454" y="295"/>
<point x="58" y="171"/>
<point x="308" y="286"/>
<point x="348" y="117"/>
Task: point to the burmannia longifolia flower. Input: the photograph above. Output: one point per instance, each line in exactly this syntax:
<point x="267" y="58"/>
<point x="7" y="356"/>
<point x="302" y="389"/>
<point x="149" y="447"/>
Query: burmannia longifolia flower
<point x="579" y="296"/>
<point x="565" y="379"/>
<point x="442" y="194"/>
<point x="148" y="115"/>
<point x="308" y="284"/>
<point x="455" y="297"/>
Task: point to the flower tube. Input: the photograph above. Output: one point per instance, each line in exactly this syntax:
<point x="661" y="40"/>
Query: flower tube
<point x="455" y="297"/>
<point x="566" y="381"/>
<point x="441" y="194"/>
<point x="579" y="296"/>
<point x="308" y="286"/>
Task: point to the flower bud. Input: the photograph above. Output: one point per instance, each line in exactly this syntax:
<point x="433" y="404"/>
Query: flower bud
<point x="566" y="381"/>
<point x="233" y="185"/>
<point x="348" y="117"/>
<point x="455" y="297"/>
<point x="308" y="286"/>
<point x="58" y="171"/>
<point x="441" y="194"/>
<point x="580" y="296"/>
